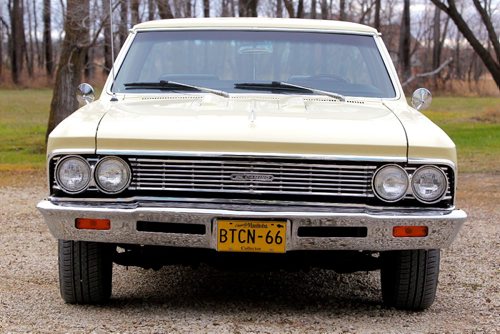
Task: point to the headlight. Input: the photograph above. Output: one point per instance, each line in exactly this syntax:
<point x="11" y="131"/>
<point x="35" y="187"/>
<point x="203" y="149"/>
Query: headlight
<point x="73" y="174"/>
<point x="429" y="184"/>
<point x="112" y="175"/>
<point x="390" y="183"/>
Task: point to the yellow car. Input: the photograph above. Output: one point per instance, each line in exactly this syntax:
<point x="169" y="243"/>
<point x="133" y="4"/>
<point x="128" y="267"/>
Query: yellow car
<point x="252" y="142"/>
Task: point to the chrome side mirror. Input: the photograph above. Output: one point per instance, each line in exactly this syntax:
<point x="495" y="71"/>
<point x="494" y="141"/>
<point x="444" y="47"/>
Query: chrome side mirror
<point x="85" y="94"/>
<point x="421" y="99"/>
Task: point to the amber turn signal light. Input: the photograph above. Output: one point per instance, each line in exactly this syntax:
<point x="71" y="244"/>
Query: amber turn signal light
<point x="410" y="231"/>
<point x="92" y="224"/>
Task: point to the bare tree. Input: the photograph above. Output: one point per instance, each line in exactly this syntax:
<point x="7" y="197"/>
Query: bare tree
<point x="247" y="8"/>
<point x="71" y="63"/>
<point x="376" y="23"/>
<point x="342" y="14"/>
<point x="30" y="50"/>
<point x="134" y="11"/>
<point x="206" y="8"/>
<point x="123" y="32"/>
<point x="492" y="64"/>
<point x="405" y="42"/>
<point x="299" y="13"/>
<point x="325" y="10"/>
<point x="17" y="41"/>
<point x="47" y="37"/>
<point x="436" y="40"/>
<point x="164" y="9"/>
<point x="151" y="10"/>
<point x="313" y="9"/>
<point x="279" y="8"/>
<point x="108" y="61"/>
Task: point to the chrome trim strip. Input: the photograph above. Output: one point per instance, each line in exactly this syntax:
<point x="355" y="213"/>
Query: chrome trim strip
<point x="137" y="201"/>
<point x="270" y="155"/>
<point x="443" y="226"/>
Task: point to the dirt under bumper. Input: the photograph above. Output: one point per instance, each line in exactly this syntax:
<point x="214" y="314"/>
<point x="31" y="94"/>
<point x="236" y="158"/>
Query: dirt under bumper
<point x="195" y="224"/>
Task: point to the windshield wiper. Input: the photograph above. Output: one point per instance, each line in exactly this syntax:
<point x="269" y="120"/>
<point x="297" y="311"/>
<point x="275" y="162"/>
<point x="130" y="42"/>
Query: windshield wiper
<point x="279" y="85"/>
<point x="172" y="85"/>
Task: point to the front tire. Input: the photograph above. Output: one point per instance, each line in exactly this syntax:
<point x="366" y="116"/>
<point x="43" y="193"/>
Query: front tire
<point x="409" y="278"/>
<point x="85" y="271"/>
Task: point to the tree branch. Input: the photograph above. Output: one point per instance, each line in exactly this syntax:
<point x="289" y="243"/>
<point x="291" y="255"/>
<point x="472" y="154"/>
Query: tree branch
<point x="489" y="27"/>
<point x="428" y="74"/>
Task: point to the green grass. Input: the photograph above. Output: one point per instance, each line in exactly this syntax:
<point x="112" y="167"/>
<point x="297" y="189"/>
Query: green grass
<point x="23" y="121"/>
<point x="473" y="124"/>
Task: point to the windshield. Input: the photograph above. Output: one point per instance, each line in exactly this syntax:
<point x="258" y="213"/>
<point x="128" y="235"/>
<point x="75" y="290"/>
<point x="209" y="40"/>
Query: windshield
<point x="342" y="63"/>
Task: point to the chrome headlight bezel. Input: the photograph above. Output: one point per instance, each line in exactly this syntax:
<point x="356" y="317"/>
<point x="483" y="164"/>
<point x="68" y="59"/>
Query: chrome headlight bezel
<point x="439" y="172"/>
<point x="63" y="187"/>
<point x="126" y="167"/>
<point x="405" y="178"/>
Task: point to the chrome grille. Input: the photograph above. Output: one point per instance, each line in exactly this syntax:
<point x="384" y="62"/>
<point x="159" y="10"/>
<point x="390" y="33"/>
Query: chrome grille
<point x="251" y="176"/>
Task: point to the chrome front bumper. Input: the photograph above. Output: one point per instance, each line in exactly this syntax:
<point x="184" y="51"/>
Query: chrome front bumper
<point x="443" y="225"/>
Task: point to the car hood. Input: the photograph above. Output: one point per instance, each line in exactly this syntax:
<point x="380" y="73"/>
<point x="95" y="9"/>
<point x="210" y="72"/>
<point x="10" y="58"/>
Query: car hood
<point x="286" y="125"/>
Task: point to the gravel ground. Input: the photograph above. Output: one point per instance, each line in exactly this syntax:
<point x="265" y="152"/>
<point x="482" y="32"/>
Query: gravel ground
<point x="179" y="299"/>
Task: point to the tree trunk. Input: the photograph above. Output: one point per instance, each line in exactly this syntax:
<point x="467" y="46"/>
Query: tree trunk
<point x="151" y="10"/>
<point x="134" y="12"/>
<point x="39" y="57"/>
<point x="436" y="39"/>
<point x="206" y="8"/>
<point x="485" y="17"/>
<point x="289" y="8"/>
<point x="30" y="49"/>
<point x="342" y="14"/>
<point x="300" y="9"/>
<point x="71" y="63"/>
<point x="247" y="8"/>
<point x="47" y="38"/>
<point x="164" y="9"/>
<point x="17" y="44"/>
<point x="1" y="48"/>
<point x="123" y="29"/>
<point x="313" y="9"/>
<point x="291" y="11"/>
<point x="325" y="10"/>
<point x="279" y="8"/>
<point x="405" y="42"/>
<point x="489" y="61"/>
<point x="108" y="57"/>
<point x="226" y="9"/>
<point x="376" y="23"/>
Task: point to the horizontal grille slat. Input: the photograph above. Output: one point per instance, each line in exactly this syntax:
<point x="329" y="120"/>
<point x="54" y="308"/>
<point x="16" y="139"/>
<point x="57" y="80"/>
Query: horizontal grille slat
<point x="252" y="176"/>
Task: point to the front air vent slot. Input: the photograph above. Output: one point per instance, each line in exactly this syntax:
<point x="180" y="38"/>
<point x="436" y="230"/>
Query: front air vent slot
<point x="332" y="231"/>
<point x="176" y="228"/>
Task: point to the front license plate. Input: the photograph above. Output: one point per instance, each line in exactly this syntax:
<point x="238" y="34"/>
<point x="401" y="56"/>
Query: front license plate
<point x="252" y="236"/>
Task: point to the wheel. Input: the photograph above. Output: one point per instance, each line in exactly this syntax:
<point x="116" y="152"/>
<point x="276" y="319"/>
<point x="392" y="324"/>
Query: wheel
<point x="85" y="271"/>
<point x="409" y="278"/>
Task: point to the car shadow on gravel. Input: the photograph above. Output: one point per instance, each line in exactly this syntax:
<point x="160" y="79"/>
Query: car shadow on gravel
<point x="219" y="291"/>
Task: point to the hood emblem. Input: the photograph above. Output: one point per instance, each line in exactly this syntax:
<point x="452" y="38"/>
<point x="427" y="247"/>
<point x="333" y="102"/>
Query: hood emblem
<point x="252" y="177"/>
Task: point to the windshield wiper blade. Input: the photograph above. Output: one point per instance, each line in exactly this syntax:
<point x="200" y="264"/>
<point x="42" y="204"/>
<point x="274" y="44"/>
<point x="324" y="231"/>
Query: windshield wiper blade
<point x="173" y="85"/>
<point x="279" y="85"/>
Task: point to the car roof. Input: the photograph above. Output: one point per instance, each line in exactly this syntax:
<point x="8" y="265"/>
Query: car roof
<point x="255" y="23"/>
